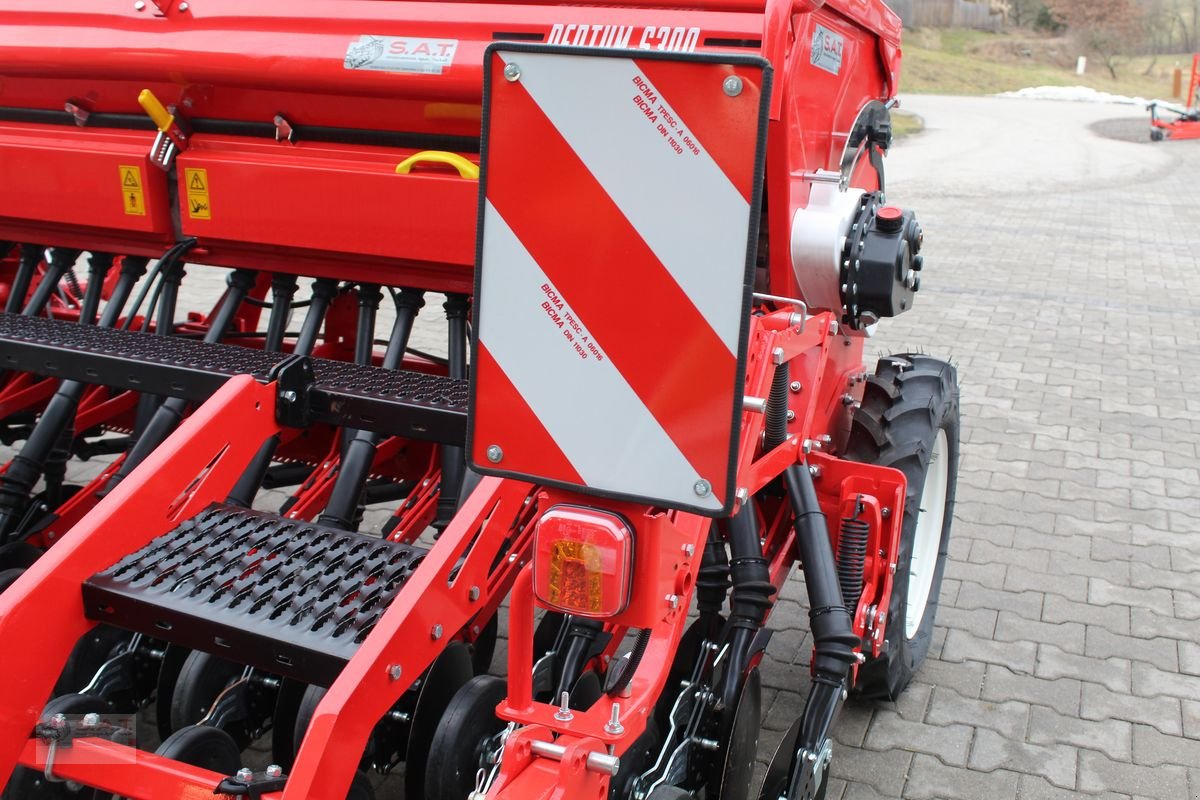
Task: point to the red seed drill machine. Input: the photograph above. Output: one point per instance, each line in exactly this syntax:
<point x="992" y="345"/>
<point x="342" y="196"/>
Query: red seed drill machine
<point x="662" y="240"/>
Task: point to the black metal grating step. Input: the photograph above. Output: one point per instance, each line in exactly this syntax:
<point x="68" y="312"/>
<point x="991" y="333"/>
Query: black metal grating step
<point x="400" y="402"/>
<point x="286" y="596"/>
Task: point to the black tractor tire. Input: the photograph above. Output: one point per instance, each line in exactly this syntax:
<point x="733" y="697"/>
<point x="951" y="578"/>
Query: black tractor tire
<point x="910" y="401"/>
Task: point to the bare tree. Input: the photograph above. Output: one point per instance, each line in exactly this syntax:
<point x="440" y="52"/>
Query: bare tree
<point x="1108" y="28"/>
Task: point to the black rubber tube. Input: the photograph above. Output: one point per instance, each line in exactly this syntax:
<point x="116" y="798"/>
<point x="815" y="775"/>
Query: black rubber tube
<point x="61" y="260"/>
<point x="27" y="264"/>
<point x="170" y="413"/>
<point x="453" y="457"/>
<point x="359" y="453"/>
<point x="831" y="624"/>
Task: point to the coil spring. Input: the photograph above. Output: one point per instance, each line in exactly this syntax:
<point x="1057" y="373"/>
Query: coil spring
<point x="852" y="556"/>
<point x="73" y="282"/>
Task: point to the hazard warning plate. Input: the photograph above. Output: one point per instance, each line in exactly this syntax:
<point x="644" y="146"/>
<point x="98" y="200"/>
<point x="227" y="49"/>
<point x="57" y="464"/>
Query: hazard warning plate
<point x="618" y="222"/>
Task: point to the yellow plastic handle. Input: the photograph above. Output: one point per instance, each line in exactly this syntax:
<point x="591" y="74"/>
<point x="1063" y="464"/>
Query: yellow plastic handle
<point x="466" y="169"/>
<point x="155" y="110"/>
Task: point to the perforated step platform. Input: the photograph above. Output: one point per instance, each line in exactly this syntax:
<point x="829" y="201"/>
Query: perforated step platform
<point x="286" y="596"/>
<point x="398" y="402"/>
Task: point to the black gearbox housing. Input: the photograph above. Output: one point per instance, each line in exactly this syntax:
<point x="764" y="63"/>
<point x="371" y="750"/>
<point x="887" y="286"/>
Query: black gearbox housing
<point x="880" y="263"/>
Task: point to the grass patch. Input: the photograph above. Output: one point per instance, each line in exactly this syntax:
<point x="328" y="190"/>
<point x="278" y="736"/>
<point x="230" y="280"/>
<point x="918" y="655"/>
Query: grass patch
<point x="976" y="62"/>
<point x="906" y="124"/>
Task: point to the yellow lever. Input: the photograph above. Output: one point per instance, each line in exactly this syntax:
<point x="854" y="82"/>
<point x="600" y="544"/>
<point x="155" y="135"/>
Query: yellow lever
<point x="155" y="110"/>
<point x="466" y="169"/>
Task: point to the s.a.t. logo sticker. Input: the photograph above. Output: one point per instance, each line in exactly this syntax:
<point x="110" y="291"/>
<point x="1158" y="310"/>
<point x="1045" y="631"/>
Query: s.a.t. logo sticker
<point x="827" y="49"/>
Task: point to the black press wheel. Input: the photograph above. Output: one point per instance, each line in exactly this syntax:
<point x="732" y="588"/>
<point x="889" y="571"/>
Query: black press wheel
<point x="466" y="729"/>
<point x="909" y="421"/>
<point x="204" y="747"/>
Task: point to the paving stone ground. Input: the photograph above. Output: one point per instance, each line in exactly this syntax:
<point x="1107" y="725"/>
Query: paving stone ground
<point x="1064" y="281"/>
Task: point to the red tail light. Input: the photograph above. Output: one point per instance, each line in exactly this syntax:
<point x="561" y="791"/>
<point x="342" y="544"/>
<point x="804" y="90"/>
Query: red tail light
<point x="583" y="561"/>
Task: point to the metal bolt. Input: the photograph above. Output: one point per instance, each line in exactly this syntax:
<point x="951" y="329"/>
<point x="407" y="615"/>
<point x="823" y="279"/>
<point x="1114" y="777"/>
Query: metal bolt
<point x="791" y="415"/>
<point x="807" y="446"/>
<point x="796" y="386"/>
<point x="91" y="720"/>
<point x="273" y="770"/>
<point x="245" y="774"/>
<point x="860" y="658"/>
<point x="847" y="399"/>
<point x="436" y="633"/>
<point x="689" y="550"/>
<point x="58" y="721"/>
<point x="702" y="487"/>
<point x="614" y="725"/>
<point x="743" y="495"/>
<point x="184" y="6"/>
<point x="825" y="438"/>
<point x="494" y="453"/>
<point x="673" y="600"/>
<point x="512" y="73"/>
<point x="732" y="86"/>
<point x="708" y="744"/>
<point x="473" y="594"/>
<point x="564" y="709"/>
<point x="139" y="6"/>
<point x="289" y="396"/>
<point x="886" y="511"/>
<point x="845" y="694"/>
<point x="815" y="471"/>
<point x="395" y="671"/>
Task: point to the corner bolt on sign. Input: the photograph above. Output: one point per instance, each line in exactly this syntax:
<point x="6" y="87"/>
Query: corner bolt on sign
<point x="618" y="214"/>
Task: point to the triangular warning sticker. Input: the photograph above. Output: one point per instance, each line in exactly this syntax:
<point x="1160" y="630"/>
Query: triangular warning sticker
<point x="129" y="178"/>
<point x="197" y="183"/>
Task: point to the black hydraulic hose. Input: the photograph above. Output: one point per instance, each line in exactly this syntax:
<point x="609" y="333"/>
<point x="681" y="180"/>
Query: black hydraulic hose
<point x="830" y="621"/>
<point x="170" y="413"/>
<point x="750" y="599"/>
<point x="99" y="265"/>
<point x="61" y="259"/>
<point x="453" y="457"/>
<point x="283" y="288"/>
<point x="132" y="270"/>
<point x="252" y="479"/>
<point x="323" y="290"/>
<point x="359" y="453"/>
<point x="164" y="302"/>
<point x="27" y="264"/>
<point x="26" y="466"/>
<point x="581" y="633"/>
<point x="55" y="471"/>
<point x="369" y="298"/>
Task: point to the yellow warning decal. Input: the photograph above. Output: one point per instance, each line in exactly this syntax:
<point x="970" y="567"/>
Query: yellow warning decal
<point x="196" y="182"/>
<point x="131" y="190"/>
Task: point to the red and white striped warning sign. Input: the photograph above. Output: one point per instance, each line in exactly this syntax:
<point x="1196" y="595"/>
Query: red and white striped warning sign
<point x="614" y="269"/>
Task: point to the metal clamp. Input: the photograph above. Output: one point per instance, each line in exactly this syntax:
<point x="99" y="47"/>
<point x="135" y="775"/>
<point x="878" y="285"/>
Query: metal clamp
<point x="294" y="378"/>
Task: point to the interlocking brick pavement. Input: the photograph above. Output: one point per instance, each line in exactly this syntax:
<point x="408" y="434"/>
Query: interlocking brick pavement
<point x="1068" y="662"/>
<point x="1064" y="281"/>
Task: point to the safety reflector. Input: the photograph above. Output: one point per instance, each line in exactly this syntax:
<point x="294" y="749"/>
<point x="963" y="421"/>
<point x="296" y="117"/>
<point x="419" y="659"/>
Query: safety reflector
<point x="582" y="561"/>
<point x="618" y="224"/>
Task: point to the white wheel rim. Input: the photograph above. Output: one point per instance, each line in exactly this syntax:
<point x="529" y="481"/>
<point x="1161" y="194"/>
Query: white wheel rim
<point x="928" y="537"/>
